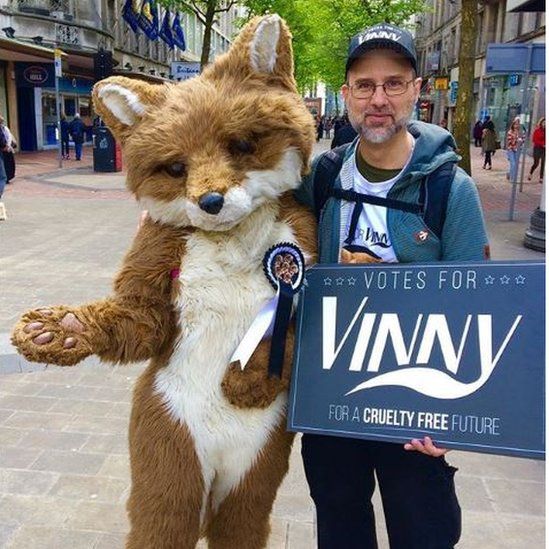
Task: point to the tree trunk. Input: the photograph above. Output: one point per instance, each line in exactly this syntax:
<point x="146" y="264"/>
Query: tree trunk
<point x="208" y="24"/>
<point x="464" y="105"/>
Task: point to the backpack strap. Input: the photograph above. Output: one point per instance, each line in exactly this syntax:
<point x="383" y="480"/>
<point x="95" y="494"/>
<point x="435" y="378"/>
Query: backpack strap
<point x="433" y="195"/>
<point x="326" y="172"/>
<point x="434" y="191"/>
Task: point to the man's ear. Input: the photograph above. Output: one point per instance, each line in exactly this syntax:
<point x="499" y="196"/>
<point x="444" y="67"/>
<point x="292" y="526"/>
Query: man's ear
<point x="262" y="50"/>
<point x="123" y="102"/>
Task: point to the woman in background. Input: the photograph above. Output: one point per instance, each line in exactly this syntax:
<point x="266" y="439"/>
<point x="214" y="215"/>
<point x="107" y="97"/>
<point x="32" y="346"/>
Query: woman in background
<point x="488" y="142"/>
<point x="538" y="140"/>
<point x="513" y="144"/>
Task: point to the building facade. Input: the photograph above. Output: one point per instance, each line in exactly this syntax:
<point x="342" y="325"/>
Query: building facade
<point x="500" y="96"/>
<point x="32" y="29"/>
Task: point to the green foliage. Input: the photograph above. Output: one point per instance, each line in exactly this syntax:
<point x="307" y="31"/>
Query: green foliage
<point x="322" y="30"/>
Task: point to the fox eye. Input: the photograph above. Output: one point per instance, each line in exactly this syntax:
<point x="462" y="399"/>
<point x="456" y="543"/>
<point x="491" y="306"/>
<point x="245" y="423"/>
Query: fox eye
<point x="176" y="169"/>
<point x="241" y="146"/>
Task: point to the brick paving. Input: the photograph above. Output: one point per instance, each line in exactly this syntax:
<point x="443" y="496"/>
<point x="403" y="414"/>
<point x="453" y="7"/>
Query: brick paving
<point x="63" y="451"/>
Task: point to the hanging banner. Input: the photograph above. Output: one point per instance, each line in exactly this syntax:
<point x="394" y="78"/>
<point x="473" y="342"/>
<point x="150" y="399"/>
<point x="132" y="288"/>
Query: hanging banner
<point x="148" y="19"/>
<point x="395" y="352"/>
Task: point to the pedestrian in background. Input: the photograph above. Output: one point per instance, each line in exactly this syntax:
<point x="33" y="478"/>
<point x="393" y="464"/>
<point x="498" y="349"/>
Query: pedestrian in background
<point x="538" y="140"/>
<point x="488" y="142"/>
<point x="443" y="123"/>
<point x="477" y="133"/>
<point x="3" y="178"/>
<point x="389" y="161"/>
<point x="65" y="137"/>
<point x="343" y="133"/>
<point x="513" y="144"/>
<point x="8" y="152"/>
<point x="76" y="129"/>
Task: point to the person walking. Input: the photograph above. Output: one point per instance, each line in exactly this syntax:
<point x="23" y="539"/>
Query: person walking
<point x="65" y="137"/>
<point x="513" y="145"/>
<point x="343" y="133"/>
<point x="477" y="133"/>
<point x="76" y="129"/>
<point x="3" y="177"/>
<point x="488" y="142"/>
<point x="389" y="160"/>
<point x="8" y="151"/>
<point x="538" y="140"/>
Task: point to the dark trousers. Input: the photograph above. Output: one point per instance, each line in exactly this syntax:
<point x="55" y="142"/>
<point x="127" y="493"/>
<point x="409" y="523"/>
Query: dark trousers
<point x="478" y="141"/>
<point x="539" y="156"/>
<point x="65" y="147"/>
<point x="488" y="158"/>
<point x="419" y="500"/>
<point x="78" y="150"/>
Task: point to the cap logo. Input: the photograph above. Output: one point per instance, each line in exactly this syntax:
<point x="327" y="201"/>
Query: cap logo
<point x="380" y="34"/>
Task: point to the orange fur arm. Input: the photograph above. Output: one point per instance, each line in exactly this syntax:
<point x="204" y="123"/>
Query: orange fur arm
<point x="135" y="324"/>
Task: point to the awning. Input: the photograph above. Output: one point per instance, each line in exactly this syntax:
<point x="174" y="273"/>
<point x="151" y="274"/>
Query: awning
<point x="15" y="50"/>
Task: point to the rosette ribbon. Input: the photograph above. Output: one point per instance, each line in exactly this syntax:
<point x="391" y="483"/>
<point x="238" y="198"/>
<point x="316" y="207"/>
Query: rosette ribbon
<point x="284" y="267"/>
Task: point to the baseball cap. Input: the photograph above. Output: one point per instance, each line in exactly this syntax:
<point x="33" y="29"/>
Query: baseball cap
<point x="382" y="36"/>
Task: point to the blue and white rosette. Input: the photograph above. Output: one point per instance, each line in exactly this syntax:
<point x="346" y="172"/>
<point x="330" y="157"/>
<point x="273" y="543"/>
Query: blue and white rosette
<point x="284" y="267"/>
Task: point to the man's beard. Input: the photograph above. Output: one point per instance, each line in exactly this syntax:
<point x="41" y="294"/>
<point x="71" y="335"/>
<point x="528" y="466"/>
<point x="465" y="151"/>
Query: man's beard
<point x="381" y="134"/>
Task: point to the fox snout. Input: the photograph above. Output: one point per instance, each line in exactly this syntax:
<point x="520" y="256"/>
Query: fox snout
<point x="211" y="203"/>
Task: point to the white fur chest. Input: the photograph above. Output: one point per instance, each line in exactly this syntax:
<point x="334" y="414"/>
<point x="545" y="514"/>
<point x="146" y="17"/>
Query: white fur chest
<point x="222" y="289"/>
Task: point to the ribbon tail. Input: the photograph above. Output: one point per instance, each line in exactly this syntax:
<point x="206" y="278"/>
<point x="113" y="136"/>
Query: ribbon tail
<point x="281" y="324"/>
<point x="259" y="328"/>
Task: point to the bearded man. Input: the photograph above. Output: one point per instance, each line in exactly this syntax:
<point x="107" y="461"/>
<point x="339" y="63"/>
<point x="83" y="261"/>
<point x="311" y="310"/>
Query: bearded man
<point x="393" y="195"/>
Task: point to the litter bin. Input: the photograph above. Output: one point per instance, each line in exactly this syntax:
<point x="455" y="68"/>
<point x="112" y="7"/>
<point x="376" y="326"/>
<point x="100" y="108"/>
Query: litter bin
<point x="107" y="156"/>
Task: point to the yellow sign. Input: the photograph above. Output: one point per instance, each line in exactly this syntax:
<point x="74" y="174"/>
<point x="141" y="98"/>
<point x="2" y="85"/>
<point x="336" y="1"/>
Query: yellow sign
<point x="441" y="83"/>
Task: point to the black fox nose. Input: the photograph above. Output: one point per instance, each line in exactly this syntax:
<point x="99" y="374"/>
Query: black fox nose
<point x="211" y="202"/>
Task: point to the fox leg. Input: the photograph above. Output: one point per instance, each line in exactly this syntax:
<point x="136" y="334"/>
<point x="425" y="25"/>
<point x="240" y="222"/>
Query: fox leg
<point x="167" y="487"/>
<point x="242" y="519"/>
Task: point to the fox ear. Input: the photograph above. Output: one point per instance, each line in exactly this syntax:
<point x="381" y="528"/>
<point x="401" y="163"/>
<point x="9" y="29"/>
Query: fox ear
<point x="263" y="49"/>
<point x="123" y="102"/>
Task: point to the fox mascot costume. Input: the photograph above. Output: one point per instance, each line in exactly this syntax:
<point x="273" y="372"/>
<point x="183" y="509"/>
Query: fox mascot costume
<point x="208" y="444"/>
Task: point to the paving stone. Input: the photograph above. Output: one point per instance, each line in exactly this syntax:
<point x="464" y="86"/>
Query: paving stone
<point x="13" y="457"/>
<point x="68" y="462"/>
<point x="525" y="532"/>
<point x="69" y="391"/>
<point x="93" y="515"/>
<point x="10" y="436"/>
<point x="27" y="403"/>
<point x="94" y="488"/>
<point x="293" y="507"/>
<point x="6" y="532"/>
<point x="110" y="541"/>
<point x="106" y="444"/>
<point x="98" y="424"/>
<point x="36" y="420"/>
<point x="301" y="535"/>
<point x="113" y="395"/>
<point x="35" y="509"/>
<point x="83" y="407"/>
<point x="279" y="534"/>
<point x="116" y="467"/>
<point x="472" y="494"/>
<point x="16" y="481"/>
<point x="516" y="496"/>
<point x="36" y="537"/>
<point x="5" y="414"/>
<point x="121" y="409"/>
<point x="14" y="387"/>
<point x="53" y="440"/>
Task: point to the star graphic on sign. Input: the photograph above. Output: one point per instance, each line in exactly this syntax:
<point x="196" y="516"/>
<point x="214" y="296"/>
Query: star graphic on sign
<point x="340" y="281"/>
<point x="351" y="280"/>
<point x="504" y="279"/>
<point x="327" y="281"/>
<point x="520" y="279"/>
<point x="489" y="279"/>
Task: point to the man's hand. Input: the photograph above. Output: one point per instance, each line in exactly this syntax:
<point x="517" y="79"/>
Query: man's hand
<point x="426" y="447"/>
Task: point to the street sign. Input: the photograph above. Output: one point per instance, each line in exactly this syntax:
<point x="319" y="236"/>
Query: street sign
<point x="398" y="351"/>
<point x="514" y="58"/>
<point x="57" y="63"/>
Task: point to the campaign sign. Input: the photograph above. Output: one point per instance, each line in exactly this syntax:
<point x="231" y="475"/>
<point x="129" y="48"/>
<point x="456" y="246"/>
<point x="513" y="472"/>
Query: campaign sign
<point x="453" y="351"/>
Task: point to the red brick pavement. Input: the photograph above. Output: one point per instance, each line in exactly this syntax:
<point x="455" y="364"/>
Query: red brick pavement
<point x="495" y="190"/>
<point x="33" y="168"/>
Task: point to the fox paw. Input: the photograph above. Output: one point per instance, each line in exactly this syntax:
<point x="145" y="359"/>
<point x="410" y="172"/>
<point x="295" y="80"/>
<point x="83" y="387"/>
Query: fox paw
<point x="52" y="335"/>
<point x="251" y="388"/>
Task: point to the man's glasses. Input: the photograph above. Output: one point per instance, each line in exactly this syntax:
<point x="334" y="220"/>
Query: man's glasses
<point x="364" y="89"/>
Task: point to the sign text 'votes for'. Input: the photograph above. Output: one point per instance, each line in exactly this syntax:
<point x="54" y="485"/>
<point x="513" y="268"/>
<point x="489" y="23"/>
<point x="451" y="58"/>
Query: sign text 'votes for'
<point x="453" y="351"/>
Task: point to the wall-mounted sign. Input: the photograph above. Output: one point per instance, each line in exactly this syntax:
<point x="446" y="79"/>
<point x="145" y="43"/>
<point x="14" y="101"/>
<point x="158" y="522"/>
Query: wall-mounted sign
<point x="441" y="83"/>
<point x="35" y="75"/>
<point x="182" y="70"/>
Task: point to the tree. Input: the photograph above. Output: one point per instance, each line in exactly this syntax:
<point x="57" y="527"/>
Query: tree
<point x="322" y="30"/>
<point x="205" y="11"/>
<point x="466" y="61"/>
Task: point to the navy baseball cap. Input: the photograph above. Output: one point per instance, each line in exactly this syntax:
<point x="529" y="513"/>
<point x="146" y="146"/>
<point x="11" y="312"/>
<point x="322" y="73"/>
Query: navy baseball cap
<point x="382" y="36"/>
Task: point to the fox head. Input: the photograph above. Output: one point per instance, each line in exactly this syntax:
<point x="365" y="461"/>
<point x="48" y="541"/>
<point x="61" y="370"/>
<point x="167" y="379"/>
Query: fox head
<point x="208" y="151"/>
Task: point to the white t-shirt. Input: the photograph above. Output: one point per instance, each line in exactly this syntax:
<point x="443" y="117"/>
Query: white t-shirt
<point x="372" y="235"/>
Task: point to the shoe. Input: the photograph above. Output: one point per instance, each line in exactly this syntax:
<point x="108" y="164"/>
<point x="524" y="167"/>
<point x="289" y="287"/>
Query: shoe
<point x="489" y="167"/>
<point x="483" y="167"/>
<point x="3" y="214"/>
<point x="529" y="177"/>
